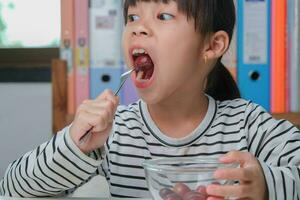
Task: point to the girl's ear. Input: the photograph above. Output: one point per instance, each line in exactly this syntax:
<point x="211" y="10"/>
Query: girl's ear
<point x="217" y="45"/>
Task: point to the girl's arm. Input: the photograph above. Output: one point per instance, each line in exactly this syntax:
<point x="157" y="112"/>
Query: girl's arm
<point x="276" y="144"/>
<point x="60" y="164"/>
<point x="52" y="169"/>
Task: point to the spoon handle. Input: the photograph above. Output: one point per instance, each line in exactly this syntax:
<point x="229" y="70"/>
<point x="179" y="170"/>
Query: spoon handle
<point x="124" y="77"/>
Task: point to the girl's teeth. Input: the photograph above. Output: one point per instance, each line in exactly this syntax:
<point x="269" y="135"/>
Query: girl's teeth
<point x="135" y="52"/>
<point x="141" y="51"/>
<point x="138" y="51"/>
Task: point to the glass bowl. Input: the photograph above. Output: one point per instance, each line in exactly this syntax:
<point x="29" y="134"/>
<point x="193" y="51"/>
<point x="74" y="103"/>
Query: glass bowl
<point x="183" y="178"/>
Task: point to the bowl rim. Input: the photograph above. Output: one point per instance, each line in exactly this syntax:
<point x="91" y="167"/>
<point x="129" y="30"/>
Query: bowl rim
<point x="152" y="164"/>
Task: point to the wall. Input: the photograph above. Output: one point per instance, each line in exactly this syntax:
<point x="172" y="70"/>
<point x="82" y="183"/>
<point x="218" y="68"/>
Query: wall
<point x="25" y="119"/>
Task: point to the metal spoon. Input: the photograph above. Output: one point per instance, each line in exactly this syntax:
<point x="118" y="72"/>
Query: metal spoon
<point x="123" y="78"/>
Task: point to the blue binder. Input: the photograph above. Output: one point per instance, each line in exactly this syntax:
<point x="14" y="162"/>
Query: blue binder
<point x="104" y="78"/>
<point x="105" y="45"/>
<point x="254" y="50"/>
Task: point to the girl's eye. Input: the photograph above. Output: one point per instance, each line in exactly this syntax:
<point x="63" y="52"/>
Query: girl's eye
<point x="165" y="16"/>
<point x="132" y="18"/>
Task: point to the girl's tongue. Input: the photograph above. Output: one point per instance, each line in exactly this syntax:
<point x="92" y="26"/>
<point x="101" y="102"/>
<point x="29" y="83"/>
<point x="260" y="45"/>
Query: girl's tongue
<point x="144" y="67"/>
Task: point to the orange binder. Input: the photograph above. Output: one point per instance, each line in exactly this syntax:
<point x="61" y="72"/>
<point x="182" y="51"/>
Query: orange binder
<point x="279" y="57"/>
<point x="67" y="48"/>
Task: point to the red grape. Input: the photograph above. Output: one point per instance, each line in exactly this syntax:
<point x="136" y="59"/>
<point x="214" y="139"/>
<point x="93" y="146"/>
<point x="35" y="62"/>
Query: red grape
<point x="216" y="183"/>
<point x="201" y="189"/>
<point x="164" y="192"/>
<point x="172" y="196"/>
<point x="181" y="189"/>
<point x="193" y="195"/>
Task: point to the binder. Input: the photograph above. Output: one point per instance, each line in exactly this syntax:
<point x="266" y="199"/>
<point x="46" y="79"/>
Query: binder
<point x="104" y="78"/>
<point x="253" y="36"/>
<point x="105" y="45"/>
<point x="278" y="62"/>
<point x="294" y="54"/>
<point x="67" y="49"/>
<point x="81" y="51"/>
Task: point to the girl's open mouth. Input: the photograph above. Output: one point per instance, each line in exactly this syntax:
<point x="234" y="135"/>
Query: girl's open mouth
<point x="144" y="68"/>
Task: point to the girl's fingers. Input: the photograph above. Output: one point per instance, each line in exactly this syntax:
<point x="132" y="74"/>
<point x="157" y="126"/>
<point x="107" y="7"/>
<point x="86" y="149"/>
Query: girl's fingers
<point x="114" y="99"/>
<point x="103" y="122"/>
<point x="104" y="95"/>
<point x="214" y="198"/>
<point x="97" y="114"/>
<point x="95" y="139"/>
<point x="108" y="95"/>
<point x="241" y="174"/>
<point x="233" y="191"/>
<point x="93" y="120"/>
<point x="236" y="157"/>
<point x="98" y="108"/>
<point x="100" y="133"/>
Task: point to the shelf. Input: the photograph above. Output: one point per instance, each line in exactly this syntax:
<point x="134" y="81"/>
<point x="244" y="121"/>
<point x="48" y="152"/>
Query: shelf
<point x="292" y="117"/>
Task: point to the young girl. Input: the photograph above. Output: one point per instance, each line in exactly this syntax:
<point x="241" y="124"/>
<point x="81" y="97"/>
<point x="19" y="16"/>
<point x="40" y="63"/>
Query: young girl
<point x="187" y="110"/>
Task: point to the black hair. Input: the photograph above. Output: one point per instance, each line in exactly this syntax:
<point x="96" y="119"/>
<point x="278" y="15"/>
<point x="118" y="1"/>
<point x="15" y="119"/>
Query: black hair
<point x="210" y="16"/>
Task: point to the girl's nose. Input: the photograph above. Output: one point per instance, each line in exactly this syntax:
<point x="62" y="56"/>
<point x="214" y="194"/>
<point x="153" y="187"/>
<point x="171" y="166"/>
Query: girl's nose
<point x="141" y="30"/>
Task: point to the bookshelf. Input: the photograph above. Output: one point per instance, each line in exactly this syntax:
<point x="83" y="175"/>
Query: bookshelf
<point x="292" y="117"/>
<point x="60" y="118"/>
<point x="59" y="94"/>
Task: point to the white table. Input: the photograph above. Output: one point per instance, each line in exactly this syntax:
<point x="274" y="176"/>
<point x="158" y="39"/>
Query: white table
<point x="12" y="198"/>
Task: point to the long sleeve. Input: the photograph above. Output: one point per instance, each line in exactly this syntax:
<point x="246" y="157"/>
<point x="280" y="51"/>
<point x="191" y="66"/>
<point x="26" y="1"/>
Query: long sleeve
<point x="51" y="169"/>
<point x="276" y="144"/>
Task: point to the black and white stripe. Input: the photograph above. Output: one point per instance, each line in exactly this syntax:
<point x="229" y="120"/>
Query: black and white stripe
<point x="58" y="166"/>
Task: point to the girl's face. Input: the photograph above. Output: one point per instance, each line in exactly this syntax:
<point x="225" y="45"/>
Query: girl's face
<point x="166" y="51"/>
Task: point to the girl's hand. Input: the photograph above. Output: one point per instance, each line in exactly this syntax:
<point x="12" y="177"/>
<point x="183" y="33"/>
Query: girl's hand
<point x="250" y="175"/>
<point x="97" y="114"/>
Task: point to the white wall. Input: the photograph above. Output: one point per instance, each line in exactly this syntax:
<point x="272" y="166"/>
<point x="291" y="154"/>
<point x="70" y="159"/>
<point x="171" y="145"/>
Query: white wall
<point x="26" y="122"/>
<point x="25" y="119"/>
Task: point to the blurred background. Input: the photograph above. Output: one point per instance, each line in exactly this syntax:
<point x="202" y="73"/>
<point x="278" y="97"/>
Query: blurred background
<point x="87" y="35"/>
<point x="29" y="40"/>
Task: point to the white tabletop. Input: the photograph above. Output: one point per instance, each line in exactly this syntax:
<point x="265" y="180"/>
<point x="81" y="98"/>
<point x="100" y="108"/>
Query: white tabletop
<point x="14" y="198"/>
<point x="74" y="198"/>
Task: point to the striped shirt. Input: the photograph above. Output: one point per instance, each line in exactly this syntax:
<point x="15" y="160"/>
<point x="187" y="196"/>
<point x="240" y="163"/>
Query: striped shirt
<point x="58" y="166"/>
